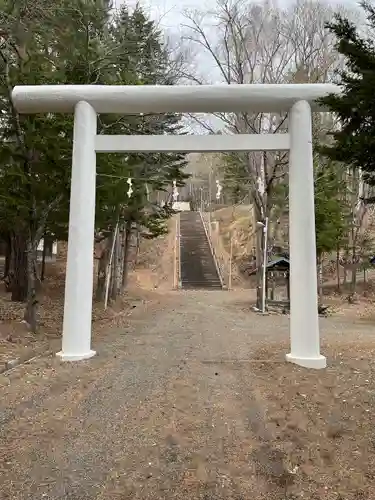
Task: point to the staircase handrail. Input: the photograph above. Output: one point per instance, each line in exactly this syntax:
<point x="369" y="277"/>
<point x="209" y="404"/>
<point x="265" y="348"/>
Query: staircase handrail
<point x="212" y="250"/>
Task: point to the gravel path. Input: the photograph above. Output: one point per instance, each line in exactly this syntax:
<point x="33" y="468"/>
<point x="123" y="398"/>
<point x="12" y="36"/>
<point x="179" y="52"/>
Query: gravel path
<point x="167" y="410"/>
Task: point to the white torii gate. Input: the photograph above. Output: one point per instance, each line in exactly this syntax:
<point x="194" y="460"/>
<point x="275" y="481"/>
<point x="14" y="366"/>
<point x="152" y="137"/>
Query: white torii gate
<point x="86" y="101"/>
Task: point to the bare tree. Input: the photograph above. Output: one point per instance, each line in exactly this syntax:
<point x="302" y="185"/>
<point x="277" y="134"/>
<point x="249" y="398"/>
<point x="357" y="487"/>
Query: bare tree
<point x="260" y="43"/>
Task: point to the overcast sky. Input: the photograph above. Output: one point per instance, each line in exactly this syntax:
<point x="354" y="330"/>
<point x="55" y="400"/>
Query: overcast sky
<point x="169" y="12"/>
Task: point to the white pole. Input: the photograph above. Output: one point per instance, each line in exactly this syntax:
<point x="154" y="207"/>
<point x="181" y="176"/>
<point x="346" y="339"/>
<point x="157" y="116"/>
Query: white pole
<point x="264" y="270"/>
<point x="109" y="268"/>
<point x="230" y="263"/>
<point x="76" y="340"/>
<point x="304" y="321"/>
<point x="179" y="251"/>
<point x="175" y="279"/>
<point x="210" y="188"/>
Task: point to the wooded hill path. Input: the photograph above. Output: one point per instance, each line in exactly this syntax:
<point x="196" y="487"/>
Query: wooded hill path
<point x="170" y="408"/>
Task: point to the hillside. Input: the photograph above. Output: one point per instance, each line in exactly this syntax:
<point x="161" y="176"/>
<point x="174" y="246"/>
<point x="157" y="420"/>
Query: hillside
<point x="233" y="234"/>
<point x="154" y="266"/>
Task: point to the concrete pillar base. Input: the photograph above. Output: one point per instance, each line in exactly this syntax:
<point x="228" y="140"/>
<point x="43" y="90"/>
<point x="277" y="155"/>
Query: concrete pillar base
<point x="318" y="363"/>
<point x="75" y="357"/>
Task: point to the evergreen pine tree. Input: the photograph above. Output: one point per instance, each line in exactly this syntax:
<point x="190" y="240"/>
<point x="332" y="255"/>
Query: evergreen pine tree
<point x="142" y="59"/>
<point x="354" y="140"/>
<point x="75" y="42"/>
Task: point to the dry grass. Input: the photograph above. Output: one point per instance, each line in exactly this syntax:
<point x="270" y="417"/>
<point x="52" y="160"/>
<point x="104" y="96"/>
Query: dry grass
<point x="321" y="422"/>
<point x="155" y="263"/>
<point x="154" y="269"/>
<point x="236" y="224"/>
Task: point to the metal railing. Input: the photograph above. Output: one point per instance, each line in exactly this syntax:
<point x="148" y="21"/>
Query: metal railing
<point x="225" y="265"/>
<point x="216" y="261"/>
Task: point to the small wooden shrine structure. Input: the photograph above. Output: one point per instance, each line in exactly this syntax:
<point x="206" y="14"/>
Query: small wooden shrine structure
<point x="277" y="276"/>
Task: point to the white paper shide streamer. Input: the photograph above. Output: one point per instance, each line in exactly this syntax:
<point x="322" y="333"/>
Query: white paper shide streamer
<point x="219" y="189"/>
<point x="261" y="187"/>
<point x="175" y="193"/>
<point x="130" y="189"/>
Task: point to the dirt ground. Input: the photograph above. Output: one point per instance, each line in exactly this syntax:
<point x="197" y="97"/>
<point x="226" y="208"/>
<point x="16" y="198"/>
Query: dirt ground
<point x="189" y="397"/>
<point x="153" y="270"/>
<point x="16" y="341"/>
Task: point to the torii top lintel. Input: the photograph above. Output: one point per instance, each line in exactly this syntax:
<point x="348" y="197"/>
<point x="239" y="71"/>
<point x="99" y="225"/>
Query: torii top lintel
<point x="162" y="98"/>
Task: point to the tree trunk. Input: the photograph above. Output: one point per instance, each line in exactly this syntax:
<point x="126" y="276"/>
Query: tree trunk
<point x="19" y="267"/>
<point x="121" y="258"/>
<point x="353" y="284"/>
<point x="127" y="240"/>
<point x="320" y="278"/>
<point x="102" y="273"/>
<point x="338" y="269"/>
<point x="138" y="244"/>
<point x="8" y="254"/>
<point x="32" y="302"/>
<point x="123" y="240"/>
<point x="118" y="263"/>
<point x="43" y="270"/>
<point x="115" y="269"/>
<point x="259" y="256"/>
<point x="346" y="259"/>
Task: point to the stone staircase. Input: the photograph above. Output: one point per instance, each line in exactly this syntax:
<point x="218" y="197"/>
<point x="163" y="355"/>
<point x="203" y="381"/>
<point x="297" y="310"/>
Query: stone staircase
<point x="197" y="265"/>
